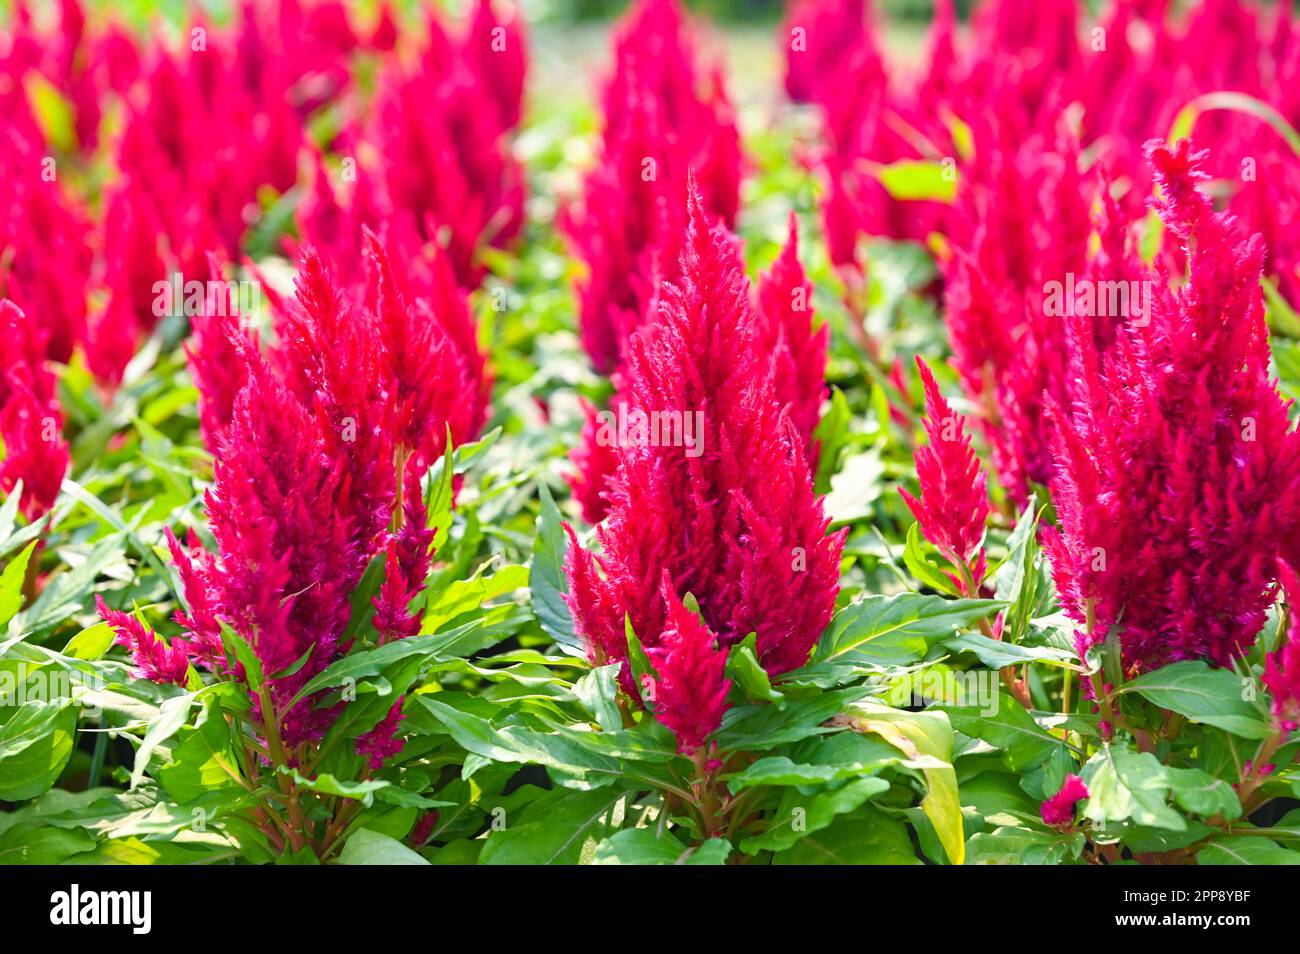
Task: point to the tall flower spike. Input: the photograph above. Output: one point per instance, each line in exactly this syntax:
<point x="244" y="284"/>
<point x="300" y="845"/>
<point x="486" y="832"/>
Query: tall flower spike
<point x="727" y="508"/>
<point x="31" y="420"/>
<point x="690" y="694"/>
<point x="954" y="503"/>
<point x="1176" y="462"/>
<point x="153" y="658"/>
<point x="797" y="348"/>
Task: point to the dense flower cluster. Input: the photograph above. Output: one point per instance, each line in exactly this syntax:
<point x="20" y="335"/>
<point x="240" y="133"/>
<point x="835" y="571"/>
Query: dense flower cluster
<point x="1177" y="467"/>
<point x="430" y="157"/>
<point x="308" y="451"/>
<point x="733" y="519"/>
<point x="1130" y="73"/>
<point x="664" y="118"/>
<point x="787" y="344"/>
<point x="31" y="421"/>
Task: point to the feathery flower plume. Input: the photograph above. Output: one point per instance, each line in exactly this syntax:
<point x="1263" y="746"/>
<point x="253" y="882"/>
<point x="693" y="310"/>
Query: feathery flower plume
<point x="690" y="693"/>
<point x="1058" y="811"/>
<point x="663" y="117"/>
<point x="785" y="342"/>
<point x="731" y="516"/>
<point x="797" y="348"/>
<point x="31" y="421"/>
<point x="1176" y="460"/>
<point x="954" y="503"/>
<point x="153" y="658"/>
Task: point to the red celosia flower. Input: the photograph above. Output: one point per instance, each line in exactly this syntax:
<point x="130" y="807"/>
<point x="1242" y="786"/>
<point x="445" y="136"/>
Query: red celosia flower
<point x="1022" y="230"/>
<point x="31" y="421"/>
<point x="689" y="694"/>
<point x="406" y="567"/>
<point x="1282" y="668"/>
<point x="498" y="53"/>
<point x="661" y="120"/>
<point x="595" y="461"/>
<point x="797" y="348"/>
<point x="1058" y="811"/>
<point x="213" y="353"/>
<point x="381" y="742"/>
<point x="1176" y="460"/>
<point x="46" y="260"/>
<point x="785" y="342"/>
<point x="153" y="658"/>
<point x="954" y="504"/>
<point x="715" y="491"/>
<point x="818" y="38"/>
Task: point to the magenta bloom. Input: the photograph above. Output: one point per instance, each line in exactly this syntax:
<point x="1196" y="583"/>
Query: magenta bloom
<point x="663" y="118"/>
<point x="31" y="420"/>
<point x="381" y="742"/>
<point x="1176" y="460"/>
<point x="595" y="460"/>
<point x="728" y="512"/>
<point x="45" y="267"/>
<point x="1058" y="811"/>
<point x="1282" y="668"/>
<point x="154" y="659"/>
<point x="796" y="348"/>
<point x="954" y="503"/>
<point x="406" y="568"/>
<point x="819" y="37"/>
<point x="690" y="694"/>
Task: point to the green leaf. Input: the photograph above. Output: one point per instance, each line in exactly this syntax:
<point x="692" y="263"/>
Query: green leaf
<point x="172" y="715"/>
<point x="832" y="433"/>
<point x="67" y="592"/>
<point x="926" y="739"/>
<point x="1126" y="785"/>
<point x="28" y="844"/>
<point x="920" y="565"/>
<point x="238" y="647"/>
<point x="761" y="727"/>
<point x="1204" y="695"/>
<point x="366" y="847"/>
<point x="644" y="846"/>
<point x="11" y="584"/>
<point x="640" y="663"/>
<point x="553" y="831"/>
<point x="1021" y="846"/>
<point x="91" y="643"/>
<point x="1023" y="742"/>
<point x="598" y="693"/>
<point x="1202" y="794"/>
<point x="465" y="596"/>
<point x="36" y="741"/>
<point x="867" y="837"/>
<point x="799" y="815"/>
<point x="546" y="579"/>
<point x="880" y="631"/>
<point x="780" y="770"/>
<point x="1251" y="850"/>
<point x="748" y="674"/>
<point x="327" y="784"/>
<point x="995" y="653"/>
<point x="916" y="179"/>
